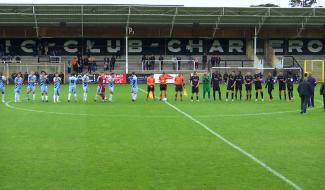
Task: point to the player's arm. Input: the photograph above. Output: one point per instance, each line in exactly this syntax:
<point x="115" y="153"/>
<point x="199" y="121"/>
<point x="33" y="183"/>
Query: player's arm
<point x="198" y="84"/>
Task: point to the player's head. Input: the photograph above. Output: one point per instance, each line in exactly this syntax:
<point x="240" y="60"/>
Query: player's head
<point x="195" y="73"/>
<point x="238" y="72"/>
<point x="232" y="72"/>
<point x="32" y="73"/>
<point x="248" y="73"/>
<point x="269" y="74"/>
<point x="1" y="74"/>
<point x="19" y="74"/>
<point x="112" y="74"/>
<point x="133" y="73"/>
<point x="281" y="73"/>
<point x="163" y="73"/>
<point x="309" y="74"/>
<point x="56" y="74"/>
<point x="306" y="75"/>
<point x="179" y="74"/>
<point x="216" y="72"/>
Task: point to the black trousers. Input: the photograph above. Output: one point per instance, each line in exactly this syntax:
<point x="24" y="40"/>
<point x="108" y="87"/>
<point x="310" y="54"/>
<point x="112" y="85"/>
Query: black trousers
<point x="303" y="103"/>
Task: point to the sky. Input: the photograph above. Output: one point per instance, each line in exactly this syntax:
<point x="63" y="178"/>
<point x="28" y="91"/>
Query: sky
<point x="188" y="3"/>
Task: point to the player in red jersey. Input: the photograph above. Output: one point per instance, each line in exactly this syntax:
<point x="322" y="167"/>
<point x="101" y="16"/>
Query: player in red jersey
<point x="101" y="86"/>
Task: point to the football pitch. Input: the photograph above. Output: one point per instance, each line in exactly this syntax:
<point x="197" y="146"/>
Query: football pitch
<point x="144" y="145"/>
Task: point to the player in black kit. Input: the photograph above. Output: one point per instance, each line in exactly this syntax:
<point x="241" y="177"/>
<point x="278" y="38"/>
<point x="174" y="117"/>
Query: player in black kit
<point x="248" y="85"/>
<point x="195" y="82"/>
<point x="289" y="81"/>
<point x="239" y="80"/>
<point x="230" y="86"/>
<point x="282" y="86"/>
<point x="270" y="85"/>
<point x="258" y="79"/>
<point x="215" y="83"/>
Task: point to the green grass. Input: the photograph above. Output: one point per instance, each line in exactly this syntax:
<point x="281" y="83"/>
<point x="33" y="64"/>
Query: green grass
<point x="149" y="145"/>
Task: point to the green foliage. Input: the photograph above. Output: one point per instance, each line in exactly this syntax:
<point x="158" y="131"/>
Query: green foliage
<point x="302" y="3"/>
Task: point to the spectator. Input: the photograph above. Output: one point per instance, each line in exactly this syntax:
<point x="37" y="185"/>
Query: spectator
<point x="152" y="62"/>
<point x="69" y="67"/>
<point x="74" y="64"/>
<point x="118" y="54"/>
<point x="161" y="60"/>
<point x="112" y="63"/>
<point x="196" y="63"/>
<point x="179" y="58"/>
<point x="174" y="60"/>
<point x="213" y="61"/>
<point x="305" y="91"/>
<point x="106" y="63"/>
<point x="312" y="82"/>
<point x="218" y="60"/>
<point x="143" y="62"/>
<point x="204" y="61"/>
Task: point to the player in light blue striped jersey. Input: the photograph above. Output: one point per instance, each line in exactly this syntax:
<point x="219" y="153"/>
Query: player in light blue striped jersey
<point x="57" y="87"/>
<point x="72" y="87"/>
<point x="43" y="80"/>
<point x="2" y="87"/>
<point x="111" y="81"/>
<point x="134" y="86"/>
<point x="18" y="83"/>
<point x="31" y="82"/>
<point x="85" y="86"/>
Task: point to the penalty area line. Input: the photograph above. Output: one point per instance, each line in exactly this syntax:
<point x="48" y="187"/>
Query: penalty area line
<point x="259" y="162"/>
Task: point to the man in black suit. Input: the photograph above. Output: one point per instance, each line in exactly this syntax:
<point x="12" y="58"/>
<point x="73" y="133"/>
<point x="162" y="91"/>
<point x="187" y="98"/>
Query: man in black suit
<point x="305" y="91"/>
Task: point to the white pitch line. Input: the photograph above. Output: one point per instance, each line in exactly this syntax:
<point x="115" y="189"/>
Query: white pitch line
<point x="261" y="163"/>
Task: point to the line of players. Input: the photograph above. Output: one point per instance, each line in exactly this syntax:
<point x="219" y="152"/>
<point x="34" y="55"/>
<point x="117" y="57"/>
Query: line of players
<point x="43" y="81"/>
<point x="234" y="82"/>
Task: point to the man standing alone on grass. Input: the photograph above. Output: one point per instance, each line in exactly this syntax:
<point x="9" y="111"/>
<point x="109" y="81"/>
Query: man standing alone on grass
<point x="312" y="82"/>
<point x="305" y="91"/>
<point x="206" y="85"/>
<point x="322" y="92"/>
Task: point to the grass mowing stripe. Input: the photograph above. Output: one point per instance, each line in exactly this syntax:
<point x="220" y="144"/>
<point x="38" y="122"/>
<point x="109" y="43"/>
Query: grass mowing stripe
<point x="274" y="172"/>
<point x="261" y="163"/>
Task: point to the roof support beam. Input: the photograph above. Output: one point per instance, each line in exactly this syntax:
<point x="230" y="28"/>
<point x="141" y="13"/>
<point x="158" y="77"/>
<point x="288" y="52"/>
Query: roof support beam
<point x="217" y="23"/>
<point x="36" y="24"/>
<point x="82" y="20"/>
<point x="303" y="24"/>
<point x="173" y="23"/>
<point x="127" y="22"/>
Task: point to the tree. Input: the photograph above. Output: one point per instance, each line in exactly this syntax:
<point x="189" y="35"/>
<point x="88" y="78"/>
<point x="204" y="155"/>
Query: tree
<point x="265" y="5"/>
<point x="302" y="3"/>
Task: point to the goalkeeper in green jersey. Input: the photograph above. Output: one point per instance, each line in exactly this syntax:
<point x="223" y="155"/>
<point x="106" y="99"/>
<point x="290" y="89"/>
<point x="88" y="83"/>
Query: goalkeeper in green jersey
<point x="206" y="85"/>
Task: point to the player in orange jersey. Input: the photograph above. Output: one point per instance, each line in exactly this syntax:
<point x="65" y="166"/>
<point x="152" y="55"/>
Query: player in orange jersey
<point x="151" y="86"/>
<point x="179" y="83"/>
<point x="163" y="86"/>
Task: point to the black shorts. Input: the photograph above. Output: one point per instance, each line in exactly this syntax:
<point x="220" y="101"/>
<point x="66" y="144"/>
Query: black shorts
<point x="163" y="87"/>
<point x="258" y="86"/>
<point x="282" y="87"/>
<point x="248" y="87"/>
<point x="239" y="87"/>
<point x="151" y="88"/>
<point x="195" y="89"/>
<point x="290" y="88"/>
<point x="179" y="88"/>
<point x="232" y="88"/>
<point x="216" y="88"/>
